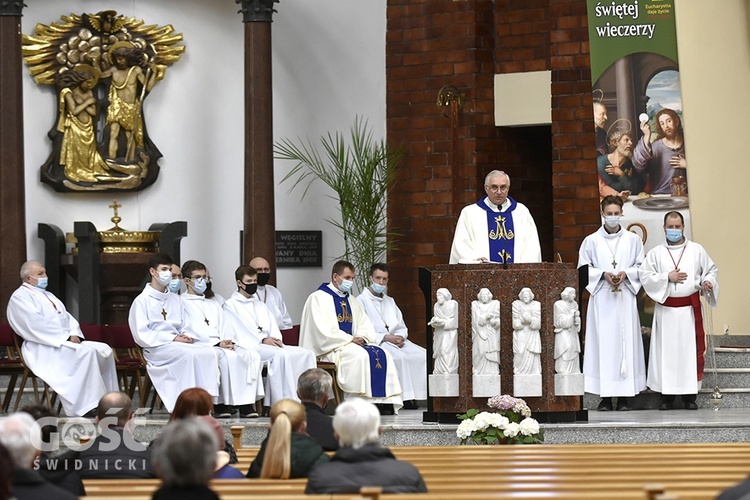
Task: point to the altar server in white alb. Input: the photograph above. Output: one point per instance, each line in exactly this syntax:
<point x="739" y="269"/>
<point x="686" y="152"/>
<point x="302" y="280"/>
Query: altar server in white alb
<point x="78" y="370"/>
<point x="613" y="361"/>
<point x="497" y="228"/>
<point x="175" y="362"/>
<point x="250" y="324"/>
<point x="392" y="335"/>
<point x="675" y="275"/>
<point x="336" y="328"/>
<point x="270" y="295"/>
<point x="241" y="384"/>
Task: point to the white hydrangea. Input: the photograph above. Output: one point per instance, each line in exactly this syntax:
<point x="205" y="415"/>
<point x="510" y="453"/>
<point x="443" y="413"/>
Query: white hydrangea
<point x="512" y="430"/>
<point x="529" y="427"/>
<point x="484" y="420"/>
<point x="498" y="421"/>
<point x="466" y="428"/>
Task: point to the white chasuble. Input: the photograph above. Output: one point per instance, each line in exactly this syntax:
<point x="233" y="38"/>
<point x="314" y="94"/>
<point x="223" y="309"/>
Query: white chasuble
<point x="247" y="321"/>
<point x="411" y="359"/>
<point x="320" y="332"/>
<point x="240" y="381"/>
<point x="155" y="319"/>
<point x="79" y="373"/>
<point x="677" y="350"/>
<point x="471" y="239"/>
<point x="613" y="360"/>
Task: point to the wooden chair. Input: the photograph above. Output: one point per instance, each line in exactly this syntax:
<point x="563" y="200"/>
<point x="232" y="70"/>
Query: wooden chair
<point x="10" y="364"/>
<point x="129" y="361"/>
<point x="17" y="343"/>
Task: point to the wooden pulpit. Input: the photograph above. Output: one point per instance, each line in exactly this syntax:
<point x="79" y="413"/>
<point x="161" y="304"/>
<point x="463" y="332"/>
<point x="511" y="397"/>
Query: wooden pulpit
<point x="547" y="281"/>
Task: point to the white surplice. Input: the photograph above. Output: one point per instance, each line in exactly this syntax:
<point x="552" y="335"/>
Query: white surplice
<point x="320" y="332"/>
<point x="411" y="359"/>
<point x="155" y="319"/>
<point x="672" y="362"/>
<point x="247" y="321"/>
<point x="471" y="240"/>
<point x="271" y="297"/>
<point x="613" y="361"/>
<point x="240" y="382"/>
<point x="79" y="373"/>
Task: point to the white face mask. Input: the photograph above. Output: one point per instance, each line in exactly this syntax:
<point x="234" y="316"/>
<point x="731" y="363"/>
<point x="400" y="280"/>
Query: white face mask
<point x="612" y="221"/>
<point x="164" y="277"/>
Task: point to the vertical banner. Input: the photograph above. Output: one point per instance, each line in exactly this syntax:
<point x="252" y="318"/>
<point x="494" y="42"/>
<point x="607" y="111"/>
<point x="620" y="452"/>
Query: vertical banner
<point x="641" y="153"/>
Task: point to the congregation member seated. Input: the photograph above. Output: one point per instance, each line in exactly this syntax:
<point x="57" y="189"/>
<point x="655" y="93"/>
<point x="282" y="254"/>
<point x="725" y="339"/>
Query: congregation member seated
<point x="314" y="389"/>
<point x="196" y="402"/>
<point x="240" y="369"/>
<point x="287" y="452"/>
<point x="361" y="461"/>
<point x="115" y="454"/>
<point x="739" y="491"/>
<point x="174" y="361"/>
<point x="18" y="433"/>
<point x="222" y="470"/>
<point x="55" y="453"/>
<point x="185" y="460"/>
<point x="53" y="348"/>
<point x="6" y="480"/>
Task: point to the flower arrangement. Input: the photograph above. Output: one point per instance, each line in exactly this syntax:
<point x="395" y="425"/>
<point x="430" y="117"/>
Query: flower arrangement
<point x="510" y="423"/>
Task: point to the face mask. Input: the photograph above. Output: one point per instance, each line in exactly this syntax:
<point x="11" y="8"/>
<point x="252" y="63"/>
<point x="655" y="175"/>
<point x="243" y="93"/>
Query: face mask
<point x="164" y="277"/>
<point x="263" y="278"/>
<point x="251" y="288"/>
<point x="378" y="288"/>
<point x="346" y="285"/>
<point x="674" y="235"/>
<point x="42" y="282"/>
<point x="612" y="221"/>
<point x="174" y="285"/>
<point x="199" y="285"/>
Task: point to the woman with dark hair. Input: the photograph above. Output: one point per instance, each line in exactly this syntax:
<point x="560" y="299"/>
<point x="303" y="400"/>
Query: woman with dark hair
<point x="287" y="452"/>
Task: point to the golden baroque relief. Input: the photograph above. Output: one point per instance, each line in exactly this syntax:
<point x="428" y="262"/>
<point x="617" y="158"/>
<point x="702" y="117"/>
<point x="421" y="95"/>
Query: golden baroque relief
<point x="102" y="67"/>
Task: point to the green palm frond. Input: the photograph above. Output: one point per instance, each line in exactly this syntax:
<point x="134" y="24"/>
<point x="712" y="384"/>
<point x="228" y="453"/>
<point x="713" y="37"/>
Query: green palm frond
<point x="360" y="172"/>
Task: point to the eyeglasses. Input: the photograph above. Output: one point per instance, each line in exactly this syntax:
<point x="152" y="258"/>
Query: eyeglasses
<point x="495" y="189"/>
<point x="196" y="278"/>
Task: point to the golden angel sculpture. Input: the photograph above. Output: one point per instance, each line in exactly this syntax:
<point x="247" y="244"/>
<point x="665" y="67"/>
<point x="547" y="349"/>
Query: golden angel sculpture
<point x="102" y="66"/>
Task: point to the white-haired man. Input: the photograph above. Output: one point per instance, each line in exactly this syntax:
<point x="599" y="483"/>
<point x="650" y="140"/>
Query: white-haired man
<point x="497" y="228"/>
<point x="22" y="437"/>
<point x="361" y="461"/>
<point x="53" y="348"/>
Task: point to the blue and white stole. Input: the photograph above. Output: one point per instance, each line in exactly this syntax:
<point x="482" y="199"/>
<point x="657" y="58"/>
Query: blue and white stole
<point x="500" y="231"/>
<point x="377" y="355"/>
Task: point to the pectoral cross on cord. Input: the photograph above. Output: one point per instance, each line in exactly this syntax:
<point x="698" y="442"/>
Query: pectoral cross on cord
<point x="676" y="264"/>
<point x="260" y="328"/>
<point x="164" y="314"/>
<point x="206" y="320"/>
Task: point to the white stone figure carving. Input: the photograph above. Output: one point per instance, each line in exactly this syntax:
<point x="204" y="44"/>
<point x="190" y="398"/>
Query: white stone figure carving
<point x="567" y="325"/>
<point x="485" y="334"/>
<point x="445" y="334"/>
<point x="527" y="342"/>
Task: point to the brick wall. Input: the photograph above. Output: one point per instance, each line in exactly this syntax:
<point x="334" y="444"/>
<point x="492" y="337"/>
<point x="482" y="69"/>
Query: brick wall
<point x="463" y="43"/>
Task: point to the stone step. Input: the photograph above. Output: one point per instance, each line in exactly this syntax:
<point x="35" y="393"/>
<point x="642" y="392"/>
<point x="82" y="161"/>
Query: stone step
<point x="648" y="400"/>
<point x="730" y="357"/>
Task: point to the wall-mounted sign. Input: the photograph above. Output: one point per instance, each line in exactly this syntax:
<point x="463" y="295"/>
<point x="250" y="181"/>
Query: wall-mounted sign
<point x="299" y="248"/>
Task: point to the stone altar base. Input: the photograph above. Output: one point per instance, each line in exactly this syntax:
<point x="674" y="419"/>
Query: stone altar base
<point x="527" y="386"/>
<point x="569" y="384"/>
<point x="485" y="386"/>
<point x="443" y="385"/>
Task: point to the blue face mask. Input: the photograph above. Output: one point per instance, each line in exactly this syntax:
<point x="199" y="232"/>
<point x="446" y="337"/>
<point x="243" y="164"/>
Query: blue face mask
<point x="674" y="235"/>
<point x="378" y="288"/>
<point x="346" y="285"/>
<point x="199" y="285"/>
<point x="42" y="282"/>
<point x="174" y="286"/>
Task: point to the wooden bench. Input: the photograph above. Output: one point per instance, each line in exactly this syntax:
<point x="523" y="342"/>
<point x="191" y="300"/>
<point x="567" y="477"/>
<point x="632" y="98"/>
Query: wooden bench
<point x="684" y="471"/>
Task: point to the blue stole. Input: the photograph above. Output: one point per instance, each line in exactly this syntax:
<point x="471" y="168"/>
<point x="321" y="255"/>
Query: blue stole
<point x="500" y="231"/>
<point x="377" y="355"/>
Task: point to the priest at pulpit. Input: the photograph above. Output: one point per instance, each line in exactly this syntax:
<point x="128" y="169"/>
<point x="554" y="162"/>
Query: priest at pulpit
<point x="497" y="228"/>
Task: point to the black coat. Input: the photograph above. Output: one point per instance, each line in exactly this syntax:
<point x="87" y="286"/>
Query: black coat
<point x="185" y="493"/>
<point x="306" y="454"/>
<point x="30" y="485"/>
<point x="99" y="462"/>
<point x="320" y="427"/>
<point x="370" y="465"/>
<point x="736" y="492"/>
